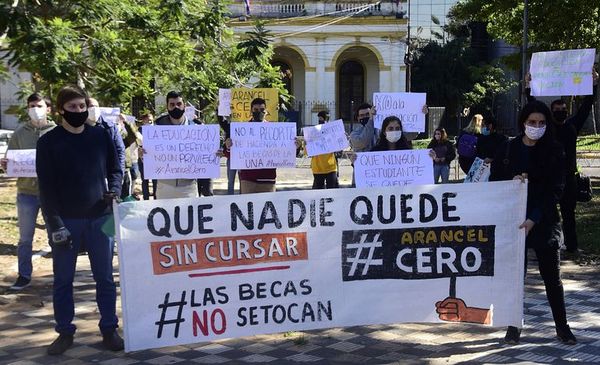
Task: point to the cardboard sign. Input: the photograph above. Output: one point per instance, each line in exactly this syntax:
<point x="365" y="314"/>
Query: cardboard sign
<point x="242" y="98"/>
<point x="224" y="102"/>
<point x="263" y="145"/>
<point x="559" y="73"/>
<point x="408" y="107"/>
<point x="181" y="151"/>
<point x="21" y="163"/>
<point x="479" y="172"/>
<point x="190" y="112"/>
<point x="325" y="138"/>
<point x="204" y="269"/>
<point x="393" y="168"/>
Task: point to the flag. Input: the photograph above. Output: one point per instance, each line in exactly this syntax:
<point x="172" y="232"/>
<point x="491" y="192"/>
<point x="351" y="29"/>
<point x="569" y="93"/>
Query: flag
<point x="247" y="6"/>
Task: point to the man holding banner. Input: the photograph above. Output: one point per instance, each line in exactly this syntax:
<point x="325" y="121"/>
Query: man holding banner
<point x="28" y="203"/>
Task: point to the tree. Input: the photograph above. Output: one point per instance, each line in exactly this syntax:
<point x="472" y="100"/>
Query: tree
<point x="121" y="49"/>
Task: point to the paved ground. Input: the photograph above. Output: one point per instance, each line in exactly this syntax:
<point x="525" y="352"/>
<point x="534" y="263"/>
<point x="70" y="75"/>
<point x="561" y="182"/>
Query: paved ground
<point x="26" y="328"/>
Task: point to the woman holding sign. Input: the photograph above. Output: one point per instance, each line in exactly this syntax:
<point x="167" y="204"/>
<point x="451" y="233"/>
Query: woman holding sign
<point x="535" y="155"/>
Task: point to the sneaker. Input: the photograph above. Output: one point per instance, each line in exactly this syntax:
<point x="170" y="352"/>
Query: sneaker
<point x="112" y="341"/>
<point x="513" y="335"/>
<point x="21" y="283"/>
<point x="565" y="335"/>
<point x="60" y="345"/>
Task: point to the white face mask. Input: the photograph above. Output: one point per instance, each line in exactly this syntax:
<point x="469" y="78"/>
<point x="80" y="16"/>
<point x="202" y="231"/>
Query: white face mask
<point x="534" y="133"/>
<point x="393" y="136"/>
<point x="37" y="114"/>
<point x="93" y="114"/>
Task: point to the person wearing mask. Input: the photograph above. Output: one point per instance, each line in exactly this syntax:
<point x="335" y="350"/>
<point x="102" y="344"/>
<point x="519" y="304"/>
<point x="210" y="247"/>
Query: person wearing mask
<point x="95" y="119"/>
<point x="28" y="203"/>
<point x="391" y="137"/>
<point x="175" y="188"/>
<point x="467" y="143"/>
<point x="231" y="173"/>
<point x="324" y="167"/>
<point x="567" y="130"/>
<point x="444" y="154"/>
<point x="363" y="137"/>
<point x="489" y="142"/>
<point x="79" y="178"/>
<point x="536" y="156"/>
<point x="145" y="119"/>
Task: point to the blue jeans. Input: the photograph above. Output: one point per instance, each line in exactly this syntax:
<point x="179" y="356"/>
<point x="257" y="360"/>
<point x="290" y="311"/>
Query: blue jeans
<point x="442" y="171"/>
<point x="28" y="207"/>
<point x="230" y="178"/>
<point x="64" y="259"/>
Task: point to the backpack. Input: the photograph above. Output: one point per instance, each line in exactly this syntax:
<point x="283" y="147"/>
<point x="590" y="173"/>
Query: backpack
<point x="467" y="145"/>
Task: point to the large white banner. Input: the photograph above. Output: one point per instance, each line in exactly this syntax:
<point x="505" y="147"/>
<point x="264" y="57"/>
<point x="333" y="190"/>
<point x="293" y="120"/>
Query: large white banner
<point x="195" y="270"/>
<point x="265" y="145"/>
<point x="21" y="163"/>
<point x="562" y="72"/>
<point x="181" y="151"/>
<point x="393" y="168"/>
<point x="408" y="107"/>
<point x="325" y="138"/>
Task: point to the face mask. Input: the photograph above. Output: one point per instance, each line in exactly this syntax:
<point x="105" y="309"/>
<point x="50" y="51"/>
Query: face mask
<point x="75" y="119"/>
<point x="534" y="133"/>
<point x="36" y="114"/>
<point x="393" y="136"/>
<point x="176" y="113"/>
<point x="364" y="121"/>
<point x="93" y="114"/>
<point x="485" y="131"/>
<point x="258" y="116"/>
<point x="560" y="115"/>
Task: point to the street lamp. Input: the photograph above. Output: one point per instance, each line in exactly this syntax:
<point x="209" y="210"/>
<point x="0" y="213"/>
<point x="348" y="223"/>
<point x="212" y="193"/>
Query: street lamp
<point x="408" y="54"/>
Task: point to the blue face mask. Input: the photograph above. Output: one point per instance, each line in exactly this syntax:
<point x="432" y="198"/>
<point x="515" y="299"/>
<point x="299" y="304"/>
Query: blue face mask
<point x="485" y="131"/>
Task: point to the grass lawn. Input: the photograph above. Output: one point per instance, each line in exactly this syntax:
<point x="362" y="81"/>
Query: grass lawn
<point x="587" y="216"/>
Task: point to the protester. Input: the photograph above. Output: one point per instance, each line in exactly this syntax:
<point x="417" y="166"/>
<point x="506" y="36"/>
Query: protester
<point x="324" y="167"/>
<point x="28" y="203"/>
<point x="567" y="130"/>
<point x="175" y="188"/>
<point x="536" y="156"/>
<point x="467" y="143"/>
<point x="363" y="137"/>
<point x="79" y="177"/>
<point x="145" y="119"/>
<point x="95" y="119"/>
<point x="444" y="154"/>
<point x="130" y="141"/>
<point x="391" y="136"/>
<point x="489" y="141"/>
<point x="231" y="173"/>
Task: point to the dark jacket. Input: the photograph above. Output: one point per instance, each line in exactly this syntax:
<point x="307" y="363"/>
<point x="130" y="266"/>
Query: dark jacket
<point x="402" y="144"/>
<point x="443" y="149"/>
<point x="487" y="146"/>
<point x="117" y="139"/>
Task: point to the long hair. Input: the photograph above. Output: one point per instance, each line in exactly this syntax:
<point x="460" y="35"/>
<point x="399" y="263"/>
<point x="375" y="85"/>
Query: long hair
<point x="442" y="140"/>
<point x="402" y="143"/>
<point x="538" y="107"/>
<point x="475" y="124"/>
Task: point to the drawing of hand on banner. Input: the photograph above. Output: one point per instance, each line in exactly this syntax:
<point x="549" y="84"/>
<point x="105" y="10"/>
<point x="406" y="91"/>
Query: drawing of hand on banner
<point x="455" y="310"/>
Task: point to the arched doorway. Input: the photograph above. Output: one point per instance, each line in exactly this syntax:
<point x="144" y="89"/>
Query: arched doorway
<point x="351" y="88"/>
<point x="287" y="74"/>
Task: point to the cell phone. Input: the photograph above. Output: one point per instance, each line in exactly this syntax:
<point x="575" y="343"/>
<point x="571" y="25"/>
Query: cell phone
<point x="61" y="237"/>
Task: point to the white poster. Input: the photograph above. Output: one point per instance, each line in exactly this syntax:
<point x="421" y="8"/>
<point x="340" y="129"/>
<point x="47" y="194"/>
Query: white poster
<point x="559" y="73"/>
<point x="408" y="107"/>
<point x="21" y="163"/>
<point x="265" y="145"/>
<point x="110" y="114"/>
<point x="190" y="113"/>
<point x="393" y="168"/>
<point x="325" y="138"/>
<point x="224" y="102"/>
<point x="479" y="172"/>
<point x="204" y="269"/>
<point x="181" y="151"/>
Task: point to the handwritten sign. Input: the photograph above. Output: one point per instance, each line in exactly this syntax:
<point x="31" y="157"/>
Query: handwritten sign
<point x="393" y="168"/>
<point x="210" y="268"/>
<point x="21" y="163"/>
<point x="562" y="72"/>
<point x="190" y="112"/>
<point x="110" y="114"/>
<point x="181" y="151"/>
<point x="479" y="172"/>
<point x="242" y="98"/>
<point x="263" y="145"/>
<point x="408" y="107"/>
<point x="224" y="102"/>
<point x="325" y="138"/>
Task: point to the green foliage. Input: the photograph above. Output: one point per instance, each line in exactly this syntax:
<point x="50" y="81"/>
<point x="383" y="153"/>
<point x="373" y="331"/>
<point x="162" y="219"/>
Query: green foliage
<point x="121" y="49"/>
<point x="491" y="81"/>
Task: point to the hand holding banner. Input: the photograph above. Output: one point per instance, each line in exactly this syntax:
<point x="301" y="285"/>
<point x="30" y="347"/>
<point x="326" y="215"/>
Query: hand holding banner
<point x="393" y="168"/>
<point x="21" y="163"/>
<point x="325" y="138"/>
<point x="408" y="107"/>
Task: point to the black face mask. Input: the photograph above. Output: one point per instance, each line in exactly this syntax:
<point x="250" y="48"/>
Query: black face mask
<point x="364" y="121"/>
<point x="75" y="119"/>
<point x="176" y="113"/>
<point x="560" y="115"/>
<point x="258" y="116"/>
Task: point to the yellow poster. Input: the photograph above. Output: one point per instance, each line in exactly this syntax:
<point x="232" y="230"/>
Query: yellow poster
<point x="242" y="98"/>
